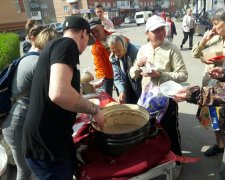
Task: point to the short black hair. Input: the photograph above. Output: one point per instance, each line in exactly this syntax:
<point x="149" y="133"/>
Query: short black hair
<point x="99" y="6"/>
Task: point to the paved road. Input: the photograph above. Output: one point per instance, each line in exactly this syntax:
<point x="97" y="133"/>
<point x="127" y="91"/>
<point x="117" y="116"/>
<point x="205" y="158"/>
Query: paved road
<point x="195" y="139"/>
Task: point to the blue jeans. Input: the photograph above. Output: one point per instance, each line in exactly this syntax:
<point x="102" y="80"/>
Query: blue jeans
<point x="12" y="130"/>
<point x="49" y="170"/>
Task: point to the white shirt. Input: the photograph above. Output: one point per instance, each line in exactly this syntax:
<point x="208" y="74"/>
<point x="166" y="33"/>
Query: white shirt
<point x="188" y="23"/>
<point x="108" y="24"/>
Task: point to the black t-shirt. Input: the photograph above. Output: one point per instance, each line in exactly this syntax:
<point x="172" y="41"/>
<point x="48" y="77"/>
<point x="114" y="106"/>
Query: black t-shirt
<point x="48" y="127"/>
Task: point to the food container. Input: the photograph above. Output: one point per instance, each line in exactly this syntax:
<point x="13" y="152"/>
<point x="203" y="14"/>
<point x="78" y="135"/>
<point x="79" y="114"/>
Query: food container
<point x="213" y="52"/>
<point x="86" y="77"/>
<point x="125" y="127"/>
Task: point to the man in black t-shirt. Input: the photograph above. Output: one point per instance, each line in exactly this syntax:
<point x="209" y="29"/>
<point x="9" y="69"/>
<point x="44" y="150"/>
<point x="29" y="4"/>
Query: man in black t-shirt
<point x="54" y="102"/>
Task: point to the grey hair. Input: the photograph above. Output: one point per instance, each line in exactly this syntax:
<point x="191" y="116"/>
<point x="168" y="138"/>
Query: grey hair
<point x="117" y="37"/>
<point x="219" y="15"/>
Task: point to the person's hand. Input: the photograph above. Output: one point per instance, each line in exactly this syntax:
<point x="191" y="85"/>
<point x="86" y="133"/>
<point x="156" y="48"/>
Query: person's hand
<point x="98" y="84"/>
<point x="153" y="74"/>
<point x="99" y="119"/>
<point x="122" y="97"/>
<point x="216" y="72"/>
<point x="180" y="95"/>
<point x="142" y="61"/>
<point x="209" y="61"/>
<point x="208" y="35"/>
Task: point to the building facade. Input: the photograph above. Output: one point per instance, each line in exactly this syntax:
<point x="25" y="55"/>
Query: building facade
<point x="14" y="13"/>
<point x="13" y="16"/>
<point x="42" y="11"/>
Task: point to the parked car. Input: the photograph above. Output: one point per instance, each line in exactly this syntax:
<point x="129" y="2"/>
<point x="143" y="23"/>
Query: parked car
<point x="129" y="20"/>
<point x="117" y="21"/>
<point x="142" y="17"/>
<point x="54" y="25"/>
<point x="59" y="29"/>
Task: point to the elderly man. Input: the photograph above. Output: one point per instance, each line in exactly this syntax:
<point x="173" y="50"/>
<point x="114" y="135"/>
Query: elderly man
<point x="100" y="53"/>
<point x="107" y="24"/>
<point x="54" y="101"/>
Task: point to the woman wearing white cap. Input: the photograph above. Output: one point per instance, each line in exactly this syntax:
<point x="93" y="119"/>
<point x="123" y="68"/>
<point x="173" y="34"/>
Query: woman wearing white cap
<point x="169" y="66"/>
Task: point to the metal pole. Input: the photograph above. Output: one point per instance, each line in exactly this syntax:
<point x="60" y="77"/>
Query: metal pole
<point x="196" y="9"/>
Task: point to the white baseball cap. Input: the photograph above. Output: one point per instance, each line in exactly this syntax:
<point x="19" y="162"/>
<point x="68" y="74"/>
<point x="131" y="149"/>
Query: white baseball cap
<point x="154" y="22"/>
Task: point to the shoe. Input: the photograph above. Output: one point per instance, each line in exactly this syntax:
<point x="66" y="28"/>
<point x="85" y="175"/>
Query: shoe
<point x="176" y="171"/>
<point x="181" y="46"/>
<point x="214" y="150"/>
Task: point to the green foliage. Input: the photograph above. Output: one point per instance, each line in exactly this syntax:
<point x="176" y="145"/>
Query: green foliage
<point x="9" y="48"/>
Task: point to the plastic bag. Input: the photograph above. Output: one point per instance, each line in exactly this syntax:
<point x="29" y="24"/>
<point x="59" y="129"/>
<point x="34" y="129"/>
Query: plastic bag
<point x="208" y="117"/>
<point x="152" y="100"/>
<point x="3" y="160"/>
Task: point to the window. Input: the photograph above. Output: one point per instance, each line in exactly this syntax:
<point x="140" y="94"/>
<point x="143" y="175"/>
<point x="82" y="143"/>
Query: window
<point x="109" y="5"/>
<point x="44" y="6"/>
<point x="44" y="14"/>
<point x="65" y="8"/>
<point x="34" y="13"/>
<point x="103" y="4"/>
<point x="34" y="5"/>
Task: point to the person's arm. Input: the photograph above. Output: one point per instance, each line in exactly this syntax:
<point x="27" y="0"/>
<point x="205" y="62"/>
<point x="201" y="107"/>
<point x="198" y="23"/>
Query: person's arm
<point x="179" y="72"/>
<point x="64" y="95"/>
<point x="202" y="44"/>
<point x="118" y="81"/>
<point x="135" y="69"/>
<point x="99" y="58"/>
<point x="206" y="96"/>
<point x="110" y="24"/>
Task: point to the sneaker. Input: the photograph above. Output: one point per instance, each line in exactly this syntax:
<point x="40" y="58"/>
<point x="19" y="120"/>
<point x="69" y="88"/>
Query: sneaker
<point x="181" y="46"/>
<point x="214" y="150"/>
<point x="176" y="171"/>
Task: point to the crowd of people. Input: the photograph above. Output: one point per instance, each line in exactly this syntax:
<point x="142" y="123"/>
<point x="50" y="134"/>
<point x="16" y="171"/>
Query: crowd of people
<point x="52" y="83"/>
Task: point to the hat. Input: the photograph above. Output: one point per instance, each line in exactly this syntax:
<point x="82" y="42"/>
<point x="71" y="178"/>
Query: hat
<point x="79" y="23"/>
<point x="93" y="22"/>
<point x="154" y="22"/>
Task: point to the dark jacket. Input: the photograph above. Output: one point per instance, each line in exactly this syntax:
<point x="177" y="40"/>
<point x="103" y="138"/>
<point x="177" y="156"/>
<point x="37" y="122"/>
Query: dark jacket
<point x="26" y="46"/>
<point x="120" y="80"/>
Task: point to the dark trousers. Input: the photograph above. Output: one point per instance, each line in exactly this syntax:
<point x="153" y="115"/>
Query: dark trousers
<point x="190" y="35"/>
<point x="170" y="124"/>
<point x="49" y="170"/>
<point x="107" y="86"/>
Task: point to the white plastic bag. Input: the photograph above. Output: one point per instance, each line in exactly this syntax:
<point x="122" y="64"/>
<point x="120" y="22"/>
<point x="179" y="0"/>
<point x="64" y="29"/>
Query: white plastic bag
<point x="3" y="160"/>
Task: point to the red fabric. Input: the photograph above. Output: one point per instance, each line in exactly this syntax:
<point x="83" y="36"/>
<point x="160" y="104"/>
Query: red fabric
<point x="105" y="99"/>
<point x="136" y="161"/>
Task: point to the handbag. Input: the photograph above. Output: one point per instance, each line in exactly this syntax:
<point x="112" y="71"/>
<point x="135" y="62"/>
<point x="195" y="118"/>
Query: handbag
<point x="154" y="101"/>
<point x="208" y="116"/>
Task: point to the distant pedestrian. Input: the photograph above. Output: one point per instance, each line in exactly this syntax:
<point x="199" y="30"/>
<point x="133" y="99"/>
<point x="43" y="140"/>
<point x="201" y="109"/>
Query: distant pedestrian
<point x="107" y="23"/>
<point x="170" y="28"/>
<point x="27" y="43"/>
<point x="188" y="29"/>
<point x="163" y="15"/>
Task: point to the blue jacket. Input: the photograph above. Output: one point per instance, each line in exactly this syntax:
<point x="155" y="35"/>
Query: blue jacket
<point x="120" y="80"/>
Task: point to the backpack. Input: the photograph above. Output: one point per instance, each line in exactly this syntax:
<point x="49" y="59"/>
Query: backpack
<point x="6" y="76"/>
